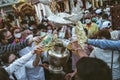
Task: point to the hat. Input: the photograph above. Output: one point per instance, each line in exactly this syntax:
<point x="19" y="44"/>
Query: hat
<point x="106" y="24"/>
<point x="98" y="11"/>
<point x="86" y="11"/>
<point x="107" y="9"/>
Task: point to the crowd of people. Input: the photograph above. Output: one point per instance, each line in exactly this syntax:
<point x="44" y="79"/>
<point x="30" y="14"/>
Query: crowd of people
<point x="22" y="60"/>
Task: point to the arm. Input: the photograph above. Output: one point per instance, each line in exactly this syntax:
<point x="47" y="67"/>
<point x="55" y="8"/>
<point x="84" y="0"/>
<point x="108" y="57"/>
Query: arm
<point x="35" y="62"/>
<point x="14" y="47"/>
<point x="19" y="63"/>
<point x="105" y="44"/>
<point x="20" y="45"/>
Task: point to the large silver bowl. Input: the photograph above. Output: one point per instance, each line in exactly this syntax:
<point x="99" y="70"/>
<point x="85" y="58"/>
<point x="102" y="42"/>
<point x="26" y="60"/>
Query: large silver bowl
<point x="57" y="58"/>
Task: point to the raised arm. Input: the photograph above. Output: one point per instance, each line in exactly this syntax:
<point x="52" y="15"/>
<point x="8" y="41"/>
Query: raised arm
<point x="19" y="46"/>
<point x="23" y="60"/>
<point x="105" y="44"/>
<point x="14" y="47"/>
<point x="19" y="63"/>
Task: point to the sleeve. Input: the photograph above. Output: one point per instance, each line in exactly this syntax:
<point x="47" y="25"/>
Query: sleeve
<point x="92" y="54"/>
<point x="13" y="47"/>
<point x="105" y="44"/>
<point x="44" y="56"/>
<point x="29" y="64"/>
<point x="18" y="63"/>
<point x="74" y="37"/>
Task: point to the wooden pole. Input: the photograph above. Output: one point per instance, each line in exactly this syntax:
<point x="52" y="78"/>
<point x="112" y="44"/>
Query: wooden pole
<point x="101" y="2"/>
<point x="93" y="4"/>
<point x="96" y="3"/>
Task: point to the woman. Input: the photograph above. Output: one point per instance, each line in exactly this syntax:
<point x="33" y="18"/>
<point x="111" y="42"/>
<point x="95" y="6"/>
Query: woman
<point x="16" y="31"/>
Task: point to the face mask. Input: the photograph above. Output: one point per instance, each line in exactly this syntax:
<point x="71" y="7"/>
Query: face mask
<point x="94" y="19"/>
<point x="46" y="24"/>
<point x="61" y="35"/>
<point x="18" y="35"/>
<point x="29" y="36"/>
<point x="42" y="33"/>
<point x="88" y="21"/>
<point x="31" y="28"/>
<point x="49" y="31"/>
<point x="11" y="40"/>
<point x="103" y="20"/>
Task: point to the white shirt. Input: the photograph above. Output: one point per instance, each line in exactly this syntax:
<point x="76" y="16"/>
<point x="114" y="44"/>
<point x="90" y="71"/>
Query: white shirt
<point x="106" y="56"/>
<point x="115" y="35"/>
<point x="36" y="73"/>
<point x="18" y="65"/>
<point x="26" y="50"/>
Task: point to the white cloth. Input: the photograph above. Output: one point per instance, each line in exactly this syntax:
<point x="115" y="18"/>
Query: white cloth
<point x="106" y="24"/>
<point x="115" y="35"/>
<point x="33" y="73"/>
<point x="99" y="23"/>
<point x="98" y="11"/>
<point x="26" y="50"/>
<point x="106" y="56"/>
<point x="74" y="36"/>
<point x="18" y="65"/>
<point x="36" y="73"/>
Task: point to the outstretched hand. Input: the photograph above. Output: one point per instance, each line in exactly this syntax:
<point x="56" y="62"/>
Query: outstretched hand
<point x="69" y="76"/>
<point x="36" y="39"/>
<point x="77" y="49"/>
<point x="44" y="65"/>
<point x="38" y="50"/>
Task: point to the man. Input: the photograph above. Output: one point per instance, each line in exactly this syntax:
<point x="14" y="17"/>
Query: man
<point x="17" y="64"/>
<point x="6" y="39"/>
<point x="115" y="34"/>
<point x="90" y="69"/>
<point x="93" y="69"/>
<point x="91" y="27"/>
<point x="21" y="73"/>
<point x="106" y="54"/>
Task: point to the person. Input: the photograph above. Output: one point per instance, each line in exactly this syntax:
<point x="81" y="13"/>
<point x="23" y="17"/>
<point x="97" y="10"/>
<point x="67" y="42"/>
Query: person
<point x="105" y="44"/>
<point x="9" y="58"/>
<point x="106" y="55"/>
<point x="16" y="31"/>
<point x="79" y="52"/>
<point x="24" y="25"/>
<point x="6" y="39"/>
<point x="99" y="17"/>
<point x="5" y="72"/>
<point x="93" y="69"/>
<point x="91" y="27"/>
<point x="115" y="34"/>
<point x="32" y="25"/>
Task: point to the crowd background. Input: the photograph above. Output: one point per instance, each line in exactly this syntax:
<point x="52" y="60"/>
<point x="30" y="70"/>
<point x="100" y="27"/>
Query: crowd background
<point x="17" y="42"/>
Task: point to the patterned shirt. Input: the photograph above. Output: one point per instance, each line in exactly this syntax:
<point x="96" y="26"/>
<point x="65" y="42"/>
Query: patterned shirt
<point x="13" y="47"/>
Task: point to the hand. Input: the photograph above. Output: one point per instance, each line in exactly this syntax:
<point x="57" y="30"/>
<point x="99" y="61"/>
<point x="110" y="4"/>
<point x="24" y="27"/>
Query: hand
<point x="38" y="50"/>
<point x="77" y="49"/>
<point x="44" y="65"/>
<point x="36" y="39"/>
<point x="75" y="46"/>
<point x="69" y="76"/>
